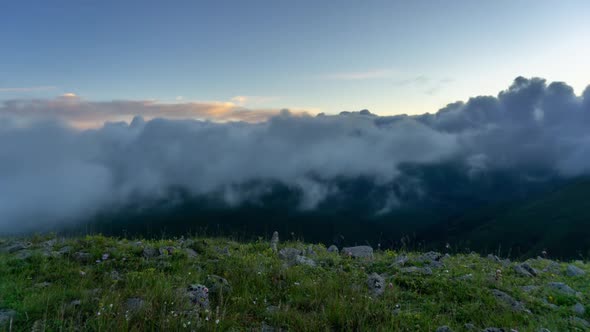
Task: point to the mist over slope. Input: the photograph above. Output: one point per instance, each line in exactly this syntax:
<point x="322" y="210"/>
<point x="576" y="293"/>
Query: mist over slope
<point x="530" y="137"/>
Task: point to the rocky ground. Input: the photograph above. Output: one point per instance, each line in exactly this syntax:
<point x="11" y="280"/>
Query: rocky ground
<point x="191" y="284"/>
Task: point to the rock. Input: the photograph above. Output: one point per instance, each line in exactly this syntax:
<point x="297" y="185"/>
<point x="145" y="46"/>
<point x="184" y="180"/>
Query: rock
<point x="64" y="250"/>
<point x="223" y="251"/>
<point x="579" y="309"/>
<point x="23" y="255"/>
<point x="376" y="284"/>
<point x="274" y="241"/>
<point x="529" y="269"/>
<point x="16" y="247"/>
<point x="358" y="251"/>
<point x="149" y="252"/>
<point x="444" y="329"/>
<point x="580" y="321"/>
<point x="217" y="284"/>
<point x="302" y="260"/>
<point x="493" y="329"/>
<point x="267" y="328"/>
<point x="401" y="260"/>
<point x="494" y="258"/>
<point x="134" y="304"/>
<point x="166" y="251"/>
<point x="272" y="309"/>
<point x="83" y="257"/>
<point x="574" y="271"/>
<point x="514" y="304"/>
<point x="522" y="271"/>
<point x="553" y="267"/>
<point x="562" y="288"/>
<point x="429" y="257"/>
<point x="469" y="327"/>
<point x="199" y="295"/>
<point x="529" y="288"/>
<point x="190" y="253"/>
<point x="75" y="303"/>
<point x="289" y="254"/>
<point x="550" y="305"/>
<point x="333" y="248"/>
<point x="6" y="315"/>
<point x="543" y="330"/>
<point x="115" y="276"/>
<point x="309" y="251"/>
<point x="417" y="270"/>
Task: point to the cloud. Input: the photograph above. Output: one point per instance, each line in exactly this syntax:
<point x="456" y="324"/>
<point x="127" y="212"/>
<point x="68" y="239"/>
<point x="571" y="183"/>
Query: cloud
<point x="362" y="75"/>
<point x="28" y="89"/>
<point x="91" y="114"/>
<point x="70" y="174"/>
<point x="253" y="100"/>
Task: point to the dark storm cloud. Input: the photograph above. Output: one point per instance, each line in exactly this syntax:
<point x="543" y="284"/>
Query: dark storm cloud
<point x="53" y="173"/>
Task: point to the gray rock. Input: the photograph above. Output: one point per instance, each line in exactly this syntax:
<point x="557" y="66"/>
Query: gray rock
<point x="543" y="330"/>
<point x="562" y="288"/>
<point x="166" y="251"/>
<point x="302" y="260"/>
<point x="75" y="303"/>
<point x="580" y="321"/>
<point x="520" y="270"/>
<point x="529" y="269"/>
<point x="134" y="304"/>
<point x="579" y="309"/>
<point x="23" y="255"/>
<point x="199" y="295"/>
<point x="65" y="250"/>
<point x="289" y="254"/>
<point x="417" y="270"/>
<point x="493" y="329"/>
<point x="333" y="248"/>
<point x="6" y="315"/>
<point x="190" y="253"/>
<point x="309" y="251"/>
<point x="401" y="260"/>
<point x="514" y="304"/>
<point x="274" y="241"/>
<point x="444" y="329"/>
<point x="553" y="267"/>
<point x="529" y="288"/>
<point x="429" y="257"/>
<point x="115" y="276"/>
<point x="16" y="247"/>
<point x="469" y="327"/>
<point x="494" y="258"/>
<point x="549" y="304"/>
<point x="217" y="284"/>
<point x="376" y="284"/>
<point x="149" y="252"/>
<point x="358" y="251"/>
<point x="223" y="251"/>
<point x="574" y="271"/>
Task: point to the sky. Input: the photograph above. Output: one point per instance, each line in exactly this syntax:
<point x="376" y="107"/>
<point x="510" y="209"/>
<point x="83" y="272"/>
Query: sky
<point x="390" y="57"/>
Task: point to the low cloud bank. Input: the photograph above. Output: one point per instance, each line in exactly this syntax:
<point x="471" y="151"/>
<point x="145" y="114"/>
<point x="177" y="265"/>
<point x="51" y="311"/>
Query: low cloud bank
<point x="52" y="173"/>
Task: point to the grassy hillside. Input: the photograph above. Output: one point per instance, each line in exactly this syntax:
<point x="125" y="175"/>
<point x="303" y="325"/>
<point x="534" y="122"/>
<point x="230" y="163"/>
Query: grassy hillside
<point x="99" y="283"/>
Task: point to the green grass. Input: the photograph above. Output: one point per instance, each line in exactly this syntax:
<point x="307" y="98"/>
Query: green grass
<point x="330" y="297"/>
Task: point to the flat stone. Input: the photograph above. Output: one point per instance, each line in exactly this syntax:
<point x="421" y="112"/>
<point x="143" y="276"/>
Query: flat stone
<point x="579" y="309"/>
<point x="574" y="271"/>
<point x="134" y="304"/>
<point x="358" y="251"/>
<point x="562" y="288"/>
<point x="514" y="304"/>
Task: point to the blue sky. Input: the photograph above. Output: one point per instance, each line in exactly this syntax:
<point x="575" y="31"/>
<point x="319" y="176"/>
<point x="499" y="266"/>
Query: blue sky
<point x="387" y="56"/>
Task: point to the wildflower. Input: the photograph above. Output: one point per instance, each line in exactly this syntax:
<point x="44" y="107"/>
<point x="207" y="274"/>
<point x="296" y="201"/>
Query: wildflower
<point x="390" y="285"/>
<point x="105" y="257"/>
<point x="217" y="321"/>
<point x="207" y="318"/>
<point x="184" y="325"/>
<point x="296" y="284"/>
